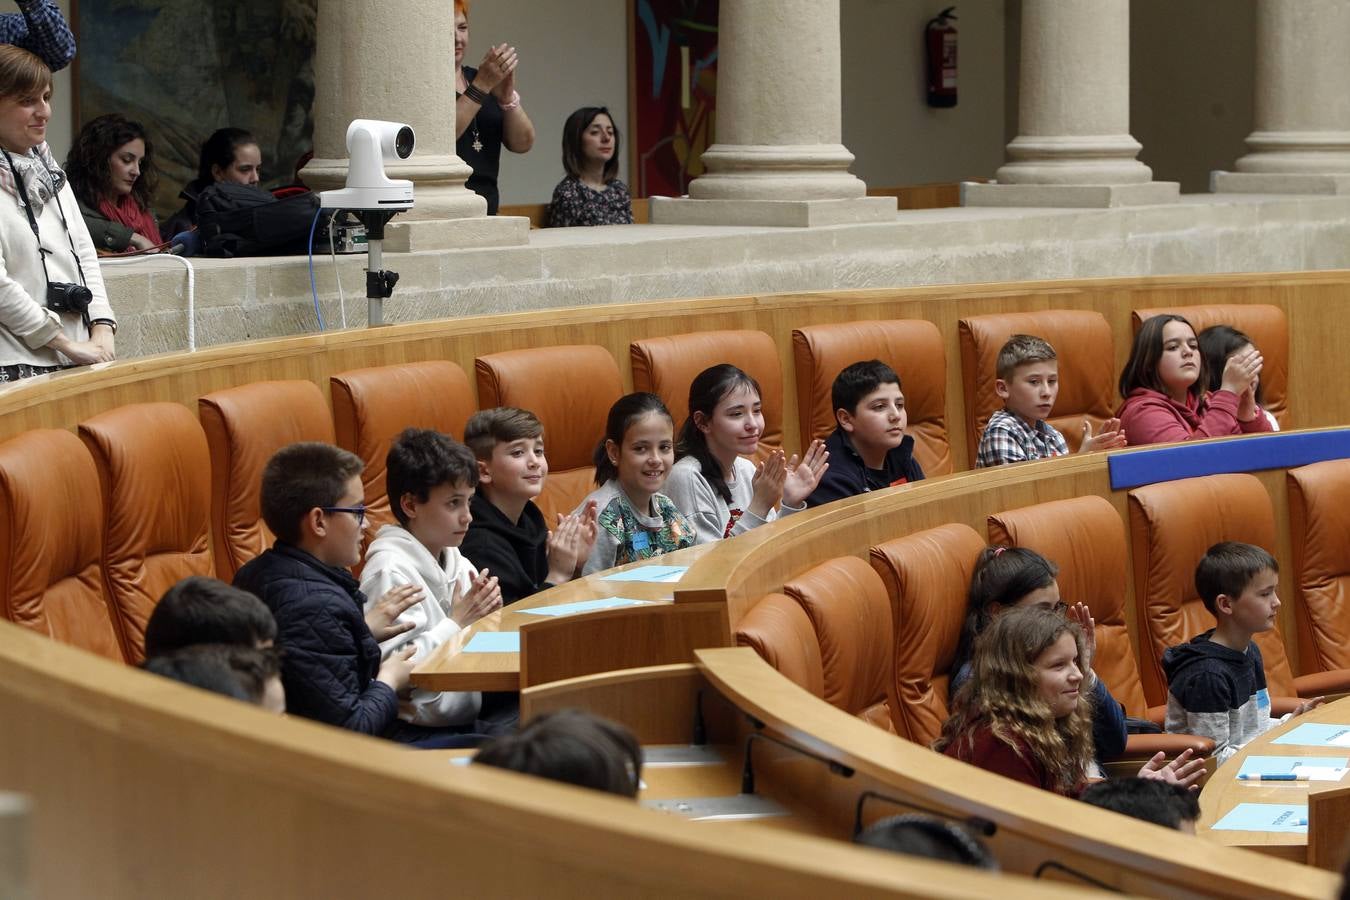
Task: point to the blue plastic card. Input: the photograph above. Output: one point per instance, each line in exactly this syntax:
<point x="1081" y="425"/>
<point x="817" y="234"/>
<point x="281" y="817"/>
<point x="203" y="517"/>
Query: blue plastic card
<point x="493" y="642"/>
<point x="583" y="606"/>
<point x="1287" y="765"/>
<point x="1311" y="735"/>
<point x="1266" y="817"/>
<point x="658" y="574"/>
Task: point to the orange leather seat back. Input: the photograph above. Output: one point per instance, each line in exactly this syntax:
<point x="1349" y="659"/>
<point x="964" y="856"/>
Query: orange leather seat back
<point x="570" y="389"/>
<point x="927" y="575"/>
<point x="1087" y="368"/>
<point x="50" y="511"/>
<point x="1268" y="328"/>
<point x="1086" y="539"/>
<point x="1319" y="531"/>
<point x="1172" y="524"/>
<point x="851" y="614"/>
<point x="779" y="631"/>
<point x="244" y="426"/>
<point x="155" y="473"/>
<point x="666" y="366"/>
<point x="371" y="407"/>
<point x="912" y="347"/>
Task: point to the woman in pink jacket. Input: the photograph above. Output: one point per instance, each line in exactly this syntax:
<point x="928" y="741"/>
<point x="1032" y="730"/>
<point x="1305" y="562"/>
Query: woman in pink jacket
<point x="1164" y="388"/>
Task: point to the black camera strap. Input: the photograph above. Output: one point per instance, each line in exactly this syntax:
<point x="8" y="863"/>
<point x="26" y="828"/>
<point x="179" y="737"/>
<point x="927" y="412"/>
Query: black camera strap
<point x="22" y="190"/>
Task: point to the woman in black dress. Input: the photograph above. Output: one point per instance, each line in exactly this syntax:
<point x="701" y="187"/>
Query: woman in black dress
<point x="488" y="113"/>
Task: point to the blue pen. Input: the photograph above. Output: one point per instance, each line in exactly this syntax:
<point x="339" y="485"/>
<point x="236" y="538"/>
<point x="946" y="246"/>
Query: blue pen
<point x="1272" y="776"/>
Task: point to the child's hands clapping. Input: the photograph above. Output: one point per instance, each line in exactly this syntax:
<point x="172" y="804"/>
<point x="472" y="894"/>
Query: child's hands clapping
<point x="483" y="596"/>
<point x="1183" y="770"/>
<point x="1110" y="437"/>
<point x="382" y="619"/>
<point x="1241" y="371"/>
<point x="564" y="543"/>
<point x="588" y="528"/>
<point x="396" y="670"/>
<point x="802" y="477"/>
<point x="1082" y="616"/>
<point x="767" y="486"/>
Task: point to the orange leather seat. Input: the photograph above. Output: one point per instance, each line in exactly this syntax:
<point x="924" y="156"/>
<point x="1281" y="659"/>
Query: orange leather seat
<point x="1319" y="531"/>
<point x="912" y="347"/>
<point x="50" y="510"/>
<point x="779" y="631"/>
<point x="927" y="575"/>
<point x="1085" y="538"/>
<point x="244" y="426"/>
<point x="570" y="390"/>
<point x="666" y="366"/>
<point x="1268" y="328"/>
<point x="851" y="614"/>
<point x="371" y="406"/>
<point x="1087" y="369"/>
<point x="155" y="473"/>
<point x="1172" y="524"/>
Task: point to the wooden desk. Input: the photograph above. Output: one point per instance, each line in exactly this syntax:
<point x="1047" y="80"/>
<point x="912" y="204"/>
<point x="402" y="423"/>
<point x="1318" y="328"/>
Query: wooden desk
<point x="1224" y="791"/>
<point x="449" y="669"/>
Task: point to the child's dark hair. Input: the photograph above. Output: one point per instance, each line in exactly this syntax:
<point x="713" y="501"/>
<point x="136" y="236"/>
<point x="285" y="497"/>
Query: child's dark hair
<point x="571" y="746"/>
<point x="87" y="163"/>
<point x="857" y="381"/>
<point x="209" y="671"/>
<point x="1217" y="343"/>
<point x="928" y="837"/>
<point x="1141" y="370"/>
<point x="707" y="390"/>
<point x="1003" y="575"/>
<point x="302" y="477"/>
<point x="218" y="151"/>
<point x="1020" y="350"/>
<point x="421" y="459"/>
<point x="625" y="412"/>
<point x="1153" y="801"/>
<point x="573" y="129"/>
<point x="500" y="425"/>
<point x="201" y="610"/>
<point x="1227" y="568"/>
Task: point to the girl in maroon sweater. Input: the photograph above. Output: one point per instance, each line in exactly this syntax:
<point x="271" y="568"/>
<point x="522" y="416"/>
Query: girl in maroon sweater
<point x="1023" y="713"/>
<point x="1164" y="388"/>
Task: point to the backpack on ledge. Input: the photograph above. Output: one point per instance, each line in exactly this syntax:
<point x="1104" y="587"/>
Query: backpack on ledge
<point x="243" y="220"/>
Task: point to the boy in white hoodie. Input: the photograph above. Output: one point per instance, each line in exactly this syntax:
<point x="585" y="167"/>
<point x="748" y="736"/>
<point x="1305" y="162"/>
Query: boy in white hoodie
<point x="430" y="480"/>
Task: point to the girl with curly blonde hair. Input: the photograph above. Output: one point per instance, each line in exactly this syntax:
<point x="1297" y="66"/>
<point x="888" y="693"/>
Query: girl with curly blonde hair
<point x="1024" y="714"/>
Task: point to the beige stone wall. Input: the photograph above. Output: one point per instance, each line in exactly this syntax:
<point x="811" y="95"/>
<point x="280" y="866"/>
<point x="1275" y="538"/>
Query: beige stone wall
<point x="573" y="267"/>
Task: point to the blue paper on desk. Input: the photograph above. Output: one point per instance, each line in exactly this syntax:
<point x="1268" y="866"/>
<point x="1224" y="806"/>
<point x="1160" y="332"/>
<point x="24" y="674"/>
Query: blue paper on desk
<point x="583" y="606"/>
<point x="1287" y="765"/>
<point x="1288" y="817"/>
<point x="1312" y="735"/>
<point x="493" y="642"/>
<point x="658" y="574"/>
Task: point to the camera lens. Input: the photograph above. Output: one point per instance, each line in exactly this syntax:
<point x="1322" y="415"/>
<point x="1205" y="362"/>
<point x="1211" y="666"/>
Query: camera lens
<point x="403" y="142"/>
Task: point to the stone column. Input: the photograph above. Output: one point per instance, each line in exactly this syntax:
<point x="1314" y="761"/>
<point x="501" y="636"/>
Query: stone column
<point x="778" y="159"/>
<point x="1073" y="146"/>
<point x="1301" y="143"/>
<point x="373" y="61"/>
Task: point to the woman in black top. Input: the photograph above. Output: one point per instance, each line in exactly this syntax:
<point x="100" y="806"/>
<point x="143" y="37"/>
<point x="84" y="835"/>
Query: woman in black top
<point x="592" y="193"/>
<point x="488" y="113"/>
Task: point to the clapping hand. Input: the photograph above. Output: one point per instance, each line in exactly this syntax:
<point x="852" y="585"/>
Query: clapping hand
<point x="802" y="477"/>
<point x="382" y="618"/>
<point x="1109" y="437"/>
<point x="483" y="596"/>
<point x="1082" y="616"/>
<point x="1183" y="771"/>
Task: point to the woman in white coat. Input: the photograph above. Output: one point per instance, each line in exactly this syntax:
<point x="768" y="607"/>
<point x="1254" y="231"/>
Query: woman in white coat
<point x="54" y="312"/>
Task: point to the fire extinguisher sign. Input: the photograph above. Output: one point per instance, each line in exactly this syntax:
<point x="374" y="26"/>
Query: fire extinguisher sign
<point x="940" y="49"/>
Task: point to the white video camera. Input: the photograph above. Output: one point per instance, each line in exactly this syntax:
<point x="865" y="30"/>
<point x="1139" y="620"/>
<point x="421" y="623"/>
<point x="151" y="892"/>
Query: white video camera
<point x="370" y="144"/>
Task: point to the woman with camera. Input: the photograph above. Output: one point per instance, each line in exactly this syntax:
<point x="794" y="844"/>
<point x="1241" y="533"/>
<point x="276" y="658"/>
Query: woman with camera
<point x="111" y="167"/>
<point x="54" y="312"/>
<point x="488" y="114"/>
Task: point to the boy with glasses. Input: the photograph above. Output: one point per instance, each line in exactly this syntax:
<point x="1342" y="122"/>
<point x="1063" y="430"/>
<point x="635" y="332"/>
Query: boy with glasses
<point x="331" y="666"/>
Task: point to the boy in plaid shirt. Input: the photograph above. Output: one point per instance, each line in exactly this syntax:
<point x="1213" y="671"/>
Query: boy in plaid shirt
<point x="1028" y="382"/>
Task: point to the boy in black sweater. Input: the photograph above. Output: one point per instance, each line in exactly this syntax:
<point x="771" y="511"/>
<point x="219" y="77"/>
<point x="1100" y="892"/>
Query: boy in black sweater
<point x="508" y="534"/>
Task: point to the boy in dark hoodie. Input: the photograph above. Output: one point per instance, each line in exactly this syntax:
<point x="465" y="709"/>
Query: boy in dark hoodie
<point x="1216" y="683"/>
<point x="868" y="448"/>
<point x="508" y="534"/>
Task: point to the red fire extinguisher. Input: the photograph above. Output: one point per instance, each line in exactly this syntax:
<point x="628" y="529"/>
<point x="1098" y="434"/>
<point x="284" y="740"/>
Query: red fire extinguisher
<point x="940" y="42"/>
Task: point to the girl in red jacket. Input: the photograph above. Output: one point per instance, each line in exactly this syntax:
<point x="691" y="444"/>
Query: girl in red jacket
<point x="1164" y="388"/>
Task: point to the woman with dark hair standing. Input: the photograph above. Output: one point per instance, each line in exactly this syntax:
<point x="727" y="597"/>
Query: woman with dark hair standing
<point x="229" y="154"/>
<point x="112" y="171"/>
<point x="488" y="114"/>
<point x="54" y="312"/>
<point x="592" y="193"/>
